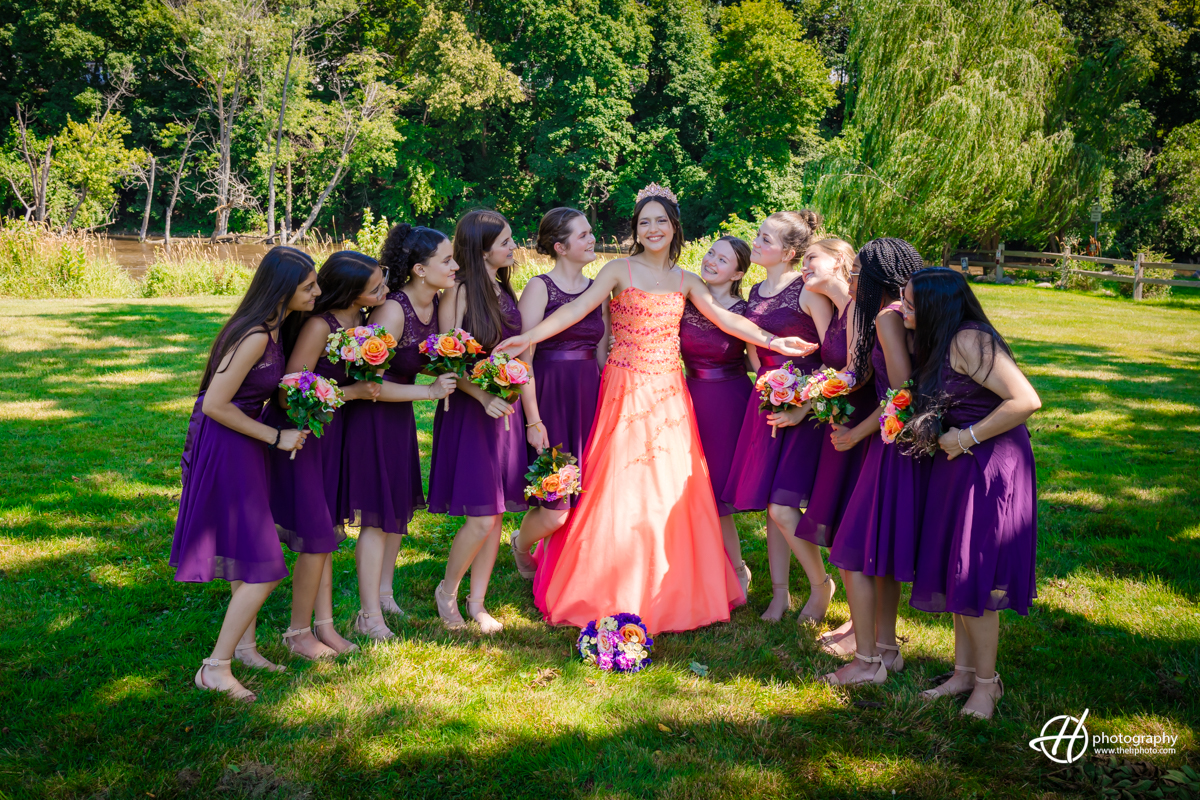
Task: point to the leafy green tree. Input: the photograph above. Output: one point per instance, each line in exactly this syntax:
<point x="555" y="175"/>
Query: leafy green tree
<point x="1179" y="170"/>
<point x="92" y="160"/>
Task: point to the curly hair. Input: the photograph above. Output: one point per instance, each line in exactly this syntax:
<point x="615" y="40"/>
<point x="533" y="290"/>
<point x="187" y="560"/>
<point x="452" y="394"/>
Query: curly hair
<point x="885" y="265"/>
<point x="406" y="246"/>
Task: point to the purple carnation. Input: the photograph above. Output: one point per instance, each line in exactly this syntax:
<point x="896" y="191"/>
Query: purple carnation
<point x="604" y="661"/>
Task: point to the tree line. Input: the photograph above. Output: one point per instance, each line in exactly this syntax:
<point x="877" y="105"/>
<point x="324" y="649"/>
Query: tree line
<point x="949" y="122"/>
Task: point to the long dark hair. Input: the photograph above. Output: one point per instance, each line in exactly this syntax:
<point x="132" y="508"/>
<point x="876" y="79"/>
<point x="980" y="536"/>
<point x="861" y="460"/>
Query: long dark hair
<point x="741" y="251"/>
<point x="474" y="235"/>
<point x="264" y="305"/>
<point x="342" y="278"/>
<point x="672" y="216"/>
<point x="943" y="302"/>
<point x="555" y="228"/>
<point x="406" y="246"/>
<point x="885" y="265"/>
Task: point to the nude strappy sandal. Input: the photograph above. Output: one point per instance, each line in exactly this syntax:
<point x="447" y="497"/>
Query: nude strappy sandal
<point x="270" y="665"/>
<point x="898" y="662"/>
<point x="361" y="625"/>
<point x="994" y="680"/>
<point x="934" y="693"/>
<point x="526" y="566"/>
<point x="450" y="600"/>
<point x="290" y="634"/>
<point x="387" y="602"/>
<point x="806" y="617"/>
<point x="353" y="648"/>
<point x="880" y="675"/>
<point x="237" y="694"/>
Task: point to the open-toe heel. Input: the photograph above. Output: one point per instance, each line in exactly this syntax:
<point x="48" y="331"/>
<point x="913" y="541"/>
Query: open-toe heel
<point x="269" y="666"/>
<point x="880" y="675"/>
<point x="241" y="693"/>
<point x="898" y="661"/>
<point x="447" y="608"/>
<point x="290" y="634"/>
<point x="351" y="648"/>
<point x="380" y="632"/>
<point x="811" y="617"/>
<point x="937" y="691"/>
<point x="526" y="566"/>
<point x="994" y="681"/>
<point x="387" y="602"/>
<point x="487" y="623"/>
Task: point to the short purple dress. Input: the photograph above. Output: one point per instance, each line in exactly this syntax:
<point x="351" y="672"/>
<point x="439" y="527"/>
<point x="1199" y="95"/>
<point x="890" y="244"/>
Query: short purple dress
<point x="715" y="365"/>
<point x="839" y="470"/>
<point x="878" y="533"/>
<point x="567" y="377"/>
<point x="381" y="465"/>
<point x="479" y="468"/>
<point x="225" y="529"/>
<point x="775" y="470"/>
<point x="978" y="543"/>
<point x="304" y="490"/>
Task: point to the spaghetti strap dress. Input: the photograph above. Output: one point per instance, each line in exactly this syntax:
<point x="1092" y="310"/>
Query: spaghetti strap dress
<point x="478" y="468"/>
<point x="381" y="463"/>
<point x="978" y="543"/>
<point x="715" y="365"/>
<point x="224" y="528"/>
<point x="567" y="377"/>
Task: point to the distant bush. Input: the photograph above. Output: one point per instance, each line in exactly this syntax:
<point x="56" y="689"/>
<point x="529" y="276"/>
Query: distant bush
<point x="187" y="271"/>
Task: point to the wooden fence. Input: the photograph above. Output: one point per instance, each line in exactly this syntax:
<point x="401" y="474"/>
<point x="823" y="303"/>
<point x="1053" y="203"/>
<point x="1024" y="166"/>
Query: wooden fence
<point x="978" y="263"/>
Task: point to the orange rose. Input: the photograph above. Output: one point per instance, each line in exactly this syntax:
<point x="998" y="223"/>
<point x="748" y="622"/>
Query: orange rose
<point x="389" y="340"/>
<point x="834" y="387"/>
<point x="633" y="633"/>
<point x="551" y="484"/>
<point x="501" y="377"/>
<point x="449" y="347"/>
<point x="374" y="351"/>
<point x="477" y="370"/>
<point x="474" y="347"/>
<point x="902" y="399"/>
<point x="891" y="429"/>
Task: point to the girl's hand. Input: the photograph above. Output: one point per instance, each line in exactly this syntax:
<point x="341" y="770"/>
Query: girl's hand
<point x="786" y="419"/>
<point x="291" y="439"/>
<point x="793" y="346"/>
<point x="363" y="390"/>
<point x="514" y="346"/>
<point x="442" y="386"/>
<point x="537" y="437"/>
<point x="842" y="437"/>
<point x="951" y="444"/>
<point x="498" y="407"/>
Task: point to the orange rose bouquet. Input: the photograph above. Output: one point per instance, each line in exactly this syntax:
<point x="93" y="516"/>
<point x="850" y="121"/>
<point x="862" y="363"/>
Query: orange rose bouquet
<point x="617" y="643"/>
<point x="896" y="414"/>
<point x="779" y="389"/>
<point x="450" y="352"/>
<point x="553" y="476"/>
<point x="311" y="401"/>
<point x="367" y="350"/>
<point x="502" y="375"/>
<point x="826" y="390"/>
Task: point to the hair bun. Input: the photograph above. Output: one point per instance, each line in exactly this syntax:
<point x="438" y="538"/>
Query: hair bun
<point x="811" y="218"/>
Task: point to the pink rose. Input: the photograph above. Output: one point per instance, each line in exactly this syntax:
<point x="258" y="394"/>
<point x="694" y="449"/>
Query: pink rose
<point x="569" y="473"/>
<point x="291" y="381"/>
<point x="517" y="373"/>
<point x="350" y="352"/>
<point x="324" y="391"/>
<point x="361" y="332"/>
<point x="780" y="379"/>
<point x="782" y="397"/>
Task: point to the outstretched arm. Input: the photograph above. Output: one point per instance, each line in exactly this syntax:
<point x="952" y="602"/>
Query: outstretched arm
<point x="739" y="326"/>
<point x="568" y="315"/>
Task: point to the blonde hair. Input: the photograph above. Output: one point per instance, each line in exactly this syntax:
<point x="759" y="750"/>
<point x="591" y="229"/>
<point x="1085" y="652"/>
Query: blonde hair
<point x="840" y="250"/>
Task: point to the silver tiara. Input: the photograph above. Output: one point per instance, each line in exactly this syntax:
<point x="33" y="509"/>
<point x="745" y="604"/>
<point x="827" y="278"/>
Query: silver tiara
<point x="654" y="190"/>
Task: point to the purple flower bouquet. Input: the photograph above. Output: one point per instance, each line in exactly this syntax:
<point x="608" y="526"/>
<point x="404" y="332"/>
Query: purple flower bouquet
<point x="619" y="643"/>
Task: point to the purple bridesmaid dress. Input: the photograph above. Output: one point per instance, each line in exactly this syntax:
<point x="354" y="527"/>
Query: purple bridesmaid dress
<point x="568" y="381"/>
<point x="225" y="529"/>
<point x="304" y="490"/>
<point x="715" y="366"/>
<point x="478" y="468"/>
<point x="878" y="533"/>
<point x="381" y="465"/>
<point x="978" y="543"/>
<point x="781" y="469"/>
<point x="839" y="470"/>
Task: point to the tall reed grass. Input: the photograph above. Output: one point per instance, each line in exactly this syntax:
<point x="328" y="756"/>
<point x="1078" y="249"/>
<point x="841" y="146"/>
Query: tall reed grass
<point x="35" y="263"/>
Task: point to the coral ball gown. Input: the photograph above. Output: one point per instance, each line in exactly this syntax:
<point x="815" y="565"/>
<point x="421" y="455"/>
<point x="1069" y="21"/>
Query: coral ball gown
<point x="645" y="537"/>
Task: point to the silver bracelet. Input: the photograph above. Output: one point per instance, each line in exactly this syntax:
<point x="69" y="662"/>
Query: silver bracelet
<point x="971" y="430"/>
<point x="958" y="438"/>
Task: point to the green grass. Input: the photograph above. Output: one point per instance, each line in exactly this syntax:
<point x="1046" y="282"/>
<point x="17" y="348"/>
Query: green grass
<point x="98" y="645"/>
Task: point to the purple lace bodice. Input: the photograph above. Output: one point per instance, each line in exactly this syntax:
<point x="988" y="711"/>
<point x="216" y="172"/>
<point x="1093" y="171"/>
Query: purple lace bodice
<point x="583" y="335"/>
<point x="704" y="345"/>
<point x="967" y="401"/>
<point x="781" y="316"/>
<point x="879" y="362"/>
<point x="262" y="380"/>
<point x="408" y="360"/>
<point x="833" y="349"/>
<point x="510" y="317"/>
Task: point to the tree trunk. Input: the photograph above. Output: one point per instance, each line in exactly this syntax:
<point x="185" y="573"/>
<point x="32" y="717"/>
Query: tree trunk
<point x="287" y="207"/>
<point x="287" y="71"/>
<point x="312" y="215"/>
<point x="149" y="197"/>
<point x="71" y="219"/>
<point x="42" y="187"/>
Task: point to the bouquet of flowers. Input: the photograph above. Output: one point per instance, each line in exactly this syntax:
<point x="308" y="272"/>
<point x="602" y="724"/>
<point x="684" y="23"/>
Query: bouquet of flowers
<point x="311" y="401"/>
<point x="827" y="389"/>
<point x="367" y="351"/>
<point x="553" y="476"/>
<point x="779" y="389"/>
<point x="619" y="643"/>
<point x="450" y="352"/>
<point x="501" y="374"/>
<point x="896" y="413"/>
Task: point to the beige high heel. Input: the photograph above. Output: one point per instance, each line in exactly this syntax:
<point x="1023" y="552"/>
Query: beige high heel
<point x="353" y="648"/>
<point x="290" y="634"/>
<point x="526" y="566"/>
<point x="387" y="602"/>
<point x="380" y="633"/>
<point x="269" y="666"/>
<point x="447" y="608"/>
<point x="994" y="680"/>
<point x="898" y="661"/>
<point x="936" y="692"/>
<point x="237" y="694"/>
<point x="807" y="616"/>
<point x="880" y="675"/>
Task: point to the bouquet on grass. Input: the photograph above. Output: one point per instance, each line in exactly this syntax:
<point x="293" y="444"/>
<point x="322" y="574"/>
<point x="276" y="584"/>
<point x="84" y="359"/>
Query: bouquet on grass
<point x="827" y="389"/>
<point x="553" y="476"/>
<point x="779" y="390"/>
<point x="311" y="401"/>
<point x="896" y="414"/>
<point x="619" y="643"/>
<point x="450" y="352"/>
<point x="367" y="351"/>
<point x="502" y="375"/>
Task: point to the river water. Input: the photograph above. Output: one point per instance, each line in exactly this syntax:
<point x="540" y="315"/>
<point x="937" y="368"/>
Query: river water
<point x="137" y="256"/>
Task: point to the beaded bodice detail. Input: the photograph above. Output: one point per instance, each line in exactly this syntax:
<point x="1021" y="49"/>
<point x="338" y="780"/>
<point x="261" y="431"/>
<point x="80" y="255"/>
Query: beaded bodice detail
<point x="780" y="315"/>
<point x="704" y="345"/>
<point x="645" y="329"/>
<point x="583" y="335"/>
<point x="408" y="360"/>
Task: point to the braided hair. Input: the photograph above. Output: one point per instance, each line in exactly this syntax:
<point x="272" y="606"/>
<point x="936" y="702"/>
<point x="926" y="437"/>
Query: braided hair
<point x="406" y="246"/>
<point x="885" y="265"/>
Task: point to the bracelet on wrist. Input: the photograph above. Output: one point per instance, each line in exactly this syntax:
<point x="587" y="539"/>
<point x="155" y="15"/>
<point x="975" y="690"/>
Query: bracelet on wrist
<point x="531" y="424"/>
<point x="278" y="436"/>
<point x="971" y="430"/>
<point x="958" y="437"/>
<point x="771" y="343"/>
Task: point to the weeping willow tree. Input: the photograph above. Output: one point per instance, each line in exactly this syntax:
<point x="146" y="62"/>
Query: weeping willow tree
<point x="956" y="130"/>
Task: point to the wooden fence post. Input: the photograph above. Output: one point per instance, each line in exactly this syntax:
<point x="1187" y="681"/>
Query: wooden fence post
<point x="1138" y="273"/>
<point x="1066" y="266"/>
<point x="946" y="256"/>
<point x="1000" y="262"/>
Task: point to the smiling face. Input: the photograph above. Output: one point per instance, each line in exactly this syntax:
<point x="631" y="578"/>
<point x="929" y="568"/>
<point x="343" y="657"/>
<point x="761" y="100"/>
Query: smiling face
<point x="374" y="293"/>
<point x="908" y="307"/>
<point x="307" y="292"/>
<point x="500" y="255"/>
<point x="580" y="246"/>
<point x="821" y="269"/>
<point x="768" y="249"/>
<point x="439" y="269"/>
<point x="654" y="230"/>
<point x="720" y="265"/>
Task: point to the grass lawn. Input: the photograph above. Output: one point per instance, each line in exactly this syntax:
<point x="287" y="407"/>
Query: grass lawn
<point x="98" y="644"/>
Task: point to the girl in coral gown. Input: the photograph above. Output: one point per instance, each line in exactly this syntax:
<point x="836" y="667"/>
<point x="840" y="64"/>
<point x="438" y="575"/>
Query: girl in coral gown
<point x="646" y="536"/>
